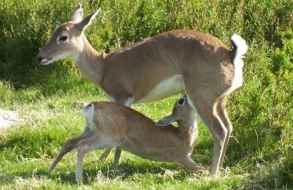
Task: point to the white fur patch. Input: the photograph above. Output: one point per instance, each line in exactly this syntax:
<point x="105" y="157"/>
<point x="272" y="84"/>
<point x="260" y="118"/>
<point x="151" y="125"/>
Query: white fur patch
<point x="57" y="58"/>
<point x="165" y="88"/>
<point x="238" y="77"/>
<point x="194" y="126"/>
<point x="78" y="14"/>
<point x="242" y="48"/>
<point x="128" y="102"/>
<point x="195" y="131"/>
<point x="195" y="111"/>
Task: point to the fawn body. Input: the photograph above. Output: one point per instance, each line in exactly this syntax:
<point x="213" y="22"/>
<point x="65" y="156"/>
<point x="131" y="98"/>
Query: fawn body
<point x="110" y="125"/>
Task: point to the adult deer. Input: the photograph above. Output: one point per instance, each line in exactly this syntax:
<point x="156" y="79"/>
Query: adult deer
<point x="172" y="62"/>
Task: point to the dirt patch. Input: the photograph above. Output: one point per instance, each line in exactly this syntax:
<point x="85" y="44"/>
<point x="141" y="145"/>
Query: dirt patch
<point x="8" y="118"/>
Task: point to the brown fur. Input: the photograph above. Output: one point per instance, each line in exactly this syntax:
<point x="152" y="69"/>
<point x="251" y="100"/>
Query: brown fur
<point x="114" y="125"/>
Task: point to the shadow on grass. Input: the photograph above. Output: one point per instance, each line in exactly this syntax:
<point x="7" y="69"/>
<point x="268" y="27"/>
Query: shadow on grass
<point x="8" y="179"/>
<point x="124" y="171"/>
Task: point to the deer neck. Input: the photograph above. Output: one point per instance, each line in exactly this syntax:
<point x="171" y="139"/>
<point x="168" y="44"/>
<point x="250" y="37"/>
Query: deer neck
<point x="188" y="132"/>
<point x="90" y="63"/>
<point x="187" y="126"/>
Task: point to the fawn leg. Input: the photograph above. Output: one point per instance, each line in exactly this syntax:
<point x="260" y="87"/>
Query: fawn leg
<point x="80" y="155"/>
<point x="188" y="163"/>
<point x="117" y="156"/>
<point x="105" y="154"/>
<point x="68" y="146"/>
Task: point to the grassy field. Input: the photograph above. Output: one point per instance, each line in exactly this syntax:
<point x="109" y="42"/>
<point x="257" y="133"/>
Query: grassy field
<point x="260" y="154"/>
<point x="28" y="149"/>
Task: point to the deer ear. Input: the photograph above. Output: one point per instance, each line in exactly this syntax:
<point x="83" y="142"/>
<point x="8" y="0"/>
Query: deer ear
<point x="166" y="121"/>
<point x="81" y="26"/>
<point x="78" y="14"/>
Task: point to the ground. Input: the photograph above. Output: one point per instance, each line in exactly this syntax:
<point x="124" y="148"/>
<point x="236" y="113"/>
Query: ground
<point x="29" y="147"/>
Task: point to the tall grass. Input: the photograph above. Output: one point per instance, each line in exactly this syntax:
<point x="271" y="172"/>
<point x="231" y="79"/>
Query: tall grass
<point x="261" y="111"/>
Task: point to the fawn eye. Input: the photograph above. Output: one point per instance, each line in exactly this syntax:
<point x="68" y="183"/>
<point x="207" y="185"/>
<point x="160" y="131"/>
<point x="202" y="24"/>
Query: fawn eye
<point x="62" y="38"/>
<point x="181" y="101"/>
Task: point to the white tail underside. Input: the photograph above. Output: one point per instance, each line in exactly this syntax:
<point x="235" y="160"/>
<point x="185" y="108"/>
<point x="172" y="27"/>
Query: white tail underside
<point x="241" y="49"/>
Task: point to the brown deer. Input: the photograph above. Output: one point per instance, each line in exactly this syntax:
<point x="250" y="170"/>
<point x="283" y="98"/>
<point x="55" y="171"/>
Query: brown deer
<point x="172" y="62"/>
<point x="111" y="125"/>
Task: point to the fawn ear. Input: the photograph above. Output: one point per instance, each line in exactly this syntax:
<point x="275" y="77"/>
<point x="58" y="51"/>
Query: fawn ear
<point x="165" y="121"/>
<point x="78" y="14"/>
<point x="82" y="25"/>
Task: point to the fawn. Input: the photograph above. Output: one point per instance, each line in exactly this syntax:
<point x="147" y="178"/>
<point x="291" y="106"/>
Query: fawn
<point x="111" y="125"/>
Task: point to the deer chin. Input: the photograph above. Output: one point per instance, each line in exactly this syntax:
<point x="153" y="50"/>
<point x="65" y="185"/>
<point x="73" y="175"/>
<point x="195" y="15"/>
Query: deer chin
<point x="48" y="61"/>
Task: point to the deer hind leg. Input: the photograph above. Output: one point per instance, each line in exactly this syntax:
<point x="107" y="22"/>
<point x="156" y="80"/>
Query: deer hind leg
<point x="206" y="104"/>
<point x="223" y="115"/>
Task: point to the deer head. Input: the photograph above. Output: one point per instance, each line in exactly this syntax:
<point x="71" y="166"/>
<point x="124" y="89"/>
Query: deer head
<point x="182" y="113"/>
<point x="68" y="39"/>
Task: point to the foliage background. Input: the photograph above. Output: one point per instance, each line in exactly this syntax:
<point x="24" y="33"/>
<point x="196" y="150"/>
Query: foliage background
<point x="261" y="149"/>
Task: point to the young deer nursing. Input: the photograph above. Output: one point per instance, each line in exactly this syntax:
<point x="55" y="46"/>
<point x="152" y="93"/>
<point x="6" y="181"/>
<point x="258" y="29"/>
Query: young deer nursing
<point x="110" y="125"/>
<point x="195" y="63"/>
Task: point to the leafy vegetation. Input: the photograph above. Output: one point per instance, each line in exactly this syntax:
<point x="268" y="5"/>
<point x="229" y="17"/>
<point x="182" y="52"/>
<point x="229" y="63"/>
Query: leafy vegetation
<point x="260" y="154"/>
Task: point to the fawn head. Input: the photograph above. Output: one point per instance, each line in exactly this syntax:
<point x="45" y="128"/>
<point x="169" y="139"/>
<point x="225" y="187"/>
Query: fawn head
<point x="182" y="113"/>
<point x="68" y="39"/>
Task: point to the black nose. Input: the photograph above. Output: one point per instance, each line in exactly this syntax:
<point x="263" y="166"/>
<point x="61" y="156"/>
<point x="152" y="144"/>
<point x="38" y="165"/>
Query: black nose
<point x="39" y="58"/>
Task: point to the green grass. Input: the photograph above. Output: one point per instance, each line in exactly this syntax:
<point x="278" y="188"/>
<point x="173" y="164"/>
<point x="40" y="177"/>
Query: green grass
<point x="261" y="149"/>
<point x="27" y="149"/>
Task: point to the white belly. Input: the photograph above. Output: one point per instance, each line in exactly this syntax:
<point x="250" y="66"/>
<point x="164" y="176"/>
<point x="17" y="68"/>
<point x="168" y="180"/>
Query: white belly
<point x="165" y="88"/>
